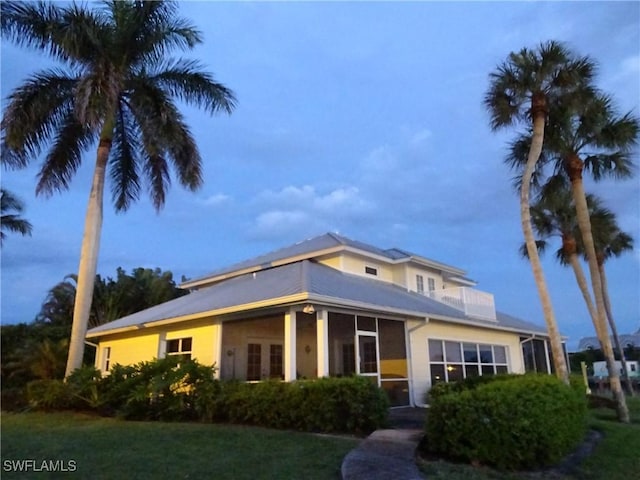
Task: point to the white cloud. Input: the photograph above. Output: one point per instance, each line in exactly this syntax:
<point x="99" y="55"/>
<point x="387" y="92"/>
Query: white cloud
<point x="216" y="199"/>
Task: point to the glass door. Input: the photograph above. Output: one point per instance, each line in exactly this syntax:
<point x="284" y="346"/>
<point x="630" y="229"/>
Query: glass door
<point x="367" y="354"/>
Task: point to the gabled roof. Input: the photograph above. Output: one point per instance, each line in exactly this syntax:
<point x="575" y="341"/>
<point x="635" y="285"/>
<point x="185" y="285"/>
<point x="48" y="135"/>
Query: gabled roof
<point x="316" y="247"/>
<point x="304" y="281"/>
<point x="593" y="342"/>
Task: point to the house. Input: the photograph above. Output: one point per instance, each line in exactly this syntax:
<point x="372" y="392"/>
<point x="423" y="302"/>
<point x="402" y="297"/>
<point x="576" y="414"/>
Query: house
<point x="626" y="340"/>
<point x="332" y="306"/>
<point x="600" y="370"/>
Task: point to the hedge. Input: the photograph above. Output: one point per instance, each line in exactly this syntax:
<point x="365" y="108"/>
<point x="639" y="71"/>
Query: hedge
<point x="174" y="389"/>
<point x="517" y="422"/>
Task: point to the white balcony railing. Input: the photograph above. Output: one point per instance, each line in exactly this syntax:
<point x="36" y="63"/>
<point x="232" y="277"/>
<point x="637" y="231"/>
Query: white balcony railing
<point x="472" y="302"/>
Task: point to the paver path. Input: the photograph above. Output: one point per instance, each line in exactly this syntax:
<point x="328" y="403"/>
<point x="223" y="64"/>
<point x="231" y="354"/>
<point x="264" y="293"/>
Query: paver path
<point x="388" y="454"/>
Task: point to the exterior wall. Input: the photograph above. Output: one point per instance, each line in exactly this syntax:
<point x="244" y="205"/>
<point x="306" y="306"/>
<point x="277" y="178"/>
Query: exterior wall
<point x="420" y="333"/>
<point x="134" y="347"/>
<point x="356" y="265"/>
<point x="128" y="348"/>
<point x="333" y="261"/>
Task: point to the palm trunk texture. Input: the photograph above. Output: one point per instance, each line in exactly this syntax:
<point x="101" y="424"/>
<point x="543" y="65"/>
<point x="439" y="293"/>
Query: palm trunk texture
<point x="614" y="330"/>
<point x="88" y="260"/>
<point x="584" y="222"/>
<point x="559" y="361"/>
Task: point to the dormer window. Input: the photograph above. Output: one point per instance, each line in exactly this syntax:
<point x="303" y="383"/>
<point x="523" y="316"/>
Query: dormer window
<point x="371" y="270"/>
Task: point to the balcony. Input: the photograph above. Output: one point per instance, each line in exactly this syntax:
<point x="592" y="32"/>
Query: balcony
<point x="473" y="303"/>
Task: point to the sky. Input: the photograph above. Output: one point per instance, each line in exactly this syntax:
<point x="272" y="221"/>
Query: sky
<point x="363" y="118"/>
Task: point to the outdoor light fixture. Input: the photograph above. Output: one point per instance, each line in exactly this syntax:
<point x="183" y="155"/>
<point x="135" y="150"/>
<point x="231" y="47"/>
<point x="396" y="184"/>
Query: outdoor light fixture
<point x="308" y="309"/>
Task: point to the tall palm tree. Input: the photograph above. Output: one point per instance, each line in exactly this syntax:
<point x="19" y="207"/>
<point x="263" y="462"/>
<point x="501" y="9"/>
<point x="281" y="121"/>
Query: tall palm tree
<point x="118" y="90"/>
<point x="554" y="215"/>
<point x="11" y="208"/>
<point x="520" y="92"/>
<point x="585" y="133"/>
<point x="610" y="241"/>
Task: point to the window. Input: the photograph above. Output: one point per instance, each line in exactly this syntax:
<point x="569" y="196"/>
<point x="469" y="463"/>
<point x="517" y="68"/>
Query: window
<point x="180" y="346"/>
<point x="451" y="361"/>
<point x="254" y="364"/>
<point x="275" y="362"/>
<point x="106" y="358"/>
<point x="420" y="283"/>
<point x="371" y="270"/>
<point x="432" y="284"/>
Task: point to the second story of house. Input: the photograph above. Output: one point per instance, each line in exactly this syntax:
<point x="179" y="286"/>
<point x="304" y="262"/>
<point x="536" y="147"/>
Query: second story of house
<point x="415" y="273"/>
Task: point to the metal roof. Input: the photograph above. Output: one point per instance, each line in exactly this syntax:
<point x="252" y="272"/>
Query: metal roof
<point x="314" y="247"/>
<point x="301" y="282"/>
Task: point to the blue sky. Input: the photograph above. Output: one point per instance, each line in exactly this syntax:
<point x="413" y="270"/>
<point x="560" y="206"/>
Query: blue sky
<point x="363" y="118"/>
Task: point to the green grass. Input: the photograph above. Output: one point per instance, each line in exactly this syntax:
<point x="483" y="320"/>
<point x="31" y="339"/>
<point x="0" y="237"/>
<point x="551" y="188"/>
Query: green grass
<point x="616" y="457"/>
<point x="107" y="448"/>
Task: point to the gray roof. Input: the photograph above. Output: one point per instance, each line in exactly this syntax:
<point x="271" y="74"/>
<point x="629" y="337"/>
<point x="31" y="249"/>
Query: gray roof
<point x="305" y="281"/>
<point x="310" y="247"/>
<point x="593" y="342"/>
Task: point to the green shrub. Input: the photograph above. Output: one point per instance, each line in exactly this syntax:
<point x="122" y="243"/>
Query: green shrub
<point x="350" y="404"/>
<point x="521" y="422"/>
<point x="49" y="395"/>
<point x="468" y="383"/>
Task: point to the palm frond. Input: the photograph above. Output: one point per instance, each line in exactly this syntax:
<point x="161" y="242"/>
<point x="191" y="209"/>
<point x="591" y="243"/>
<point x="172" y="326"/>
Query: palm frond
<point x="65" y="155"/>
<point x="157" y="171"/>
<point x="185" y="79"/>
<point x="34" y="112"/>
<point x="164" y="129"/>
<point x="124" y="161"/>
<point x="618" y="165"/>
<point x="69" y="34"/>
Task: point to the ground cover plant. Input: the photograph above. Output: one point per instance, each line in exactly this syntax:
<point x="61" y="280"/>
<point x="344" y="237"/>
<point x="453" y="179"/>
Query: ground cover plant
<point x="108" y="448"/>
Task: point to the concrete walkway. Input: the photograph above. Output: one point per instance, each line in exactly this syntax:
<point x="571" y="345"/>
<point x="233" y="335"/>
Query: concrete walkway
<point x="388" y="454"/>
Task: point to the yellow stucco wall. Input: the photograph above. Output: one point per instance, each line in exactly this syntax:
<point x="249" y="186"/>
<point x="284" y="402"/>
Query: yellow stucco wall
<point x="144" y="345"/>
<point x="420" y="333"/>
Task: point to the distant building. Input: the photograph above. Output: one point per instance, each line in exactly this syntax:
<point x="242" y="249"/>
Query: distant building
<point x="600" y="369"/>
<point x="632" y="339"/>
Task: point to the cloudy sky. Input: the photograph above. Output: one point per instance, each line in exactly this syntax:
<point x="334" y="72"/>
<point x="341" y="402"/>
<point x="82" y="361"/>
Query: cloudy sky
<point x="359" y="118"/>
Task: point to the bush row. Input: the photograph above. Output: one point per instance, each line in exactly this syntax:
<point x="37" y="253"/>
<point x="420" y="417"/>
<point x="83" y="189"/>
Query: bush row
<point x="173" y="389"/>
<point x="514" y="422"/>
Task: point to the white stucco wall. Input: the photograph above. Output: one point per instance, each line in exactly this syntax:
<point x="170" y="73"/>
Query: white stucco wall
<point x="420" y="333"/>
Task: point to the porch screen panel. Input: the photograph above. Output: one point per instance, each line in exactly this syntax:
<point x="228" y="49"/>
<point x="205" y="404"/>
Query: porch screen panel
<point x="394" y="370"/>
<point x="342" y="331"/>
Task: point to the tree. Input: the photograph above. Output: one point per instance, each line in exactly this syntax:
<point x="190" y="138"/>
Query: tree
<point x="112" y="298"/>
<point x="585" y="133"/>
<point x="520" y="92"/>
<point x="610" y="241"/>
<point x="554" y="215"/>
<point x="11" y="208"/>
<point x="119" y="90"/>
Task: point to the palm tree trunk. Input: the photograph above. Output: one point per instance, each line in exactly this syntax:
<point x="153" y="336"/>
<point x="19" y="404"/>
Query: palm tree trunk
<point x="575" y="165"/>
<point x="614" y="330"/>
<point x="559" y="362"/>
<point x="88" y="256"/>
<point x="584" y="287"/>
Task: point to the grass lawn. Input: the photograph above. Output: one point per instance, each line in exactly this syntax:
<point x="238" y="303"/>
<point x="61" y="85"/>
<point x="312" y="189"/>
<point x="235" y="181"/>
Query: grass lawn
<point x="616" y="457"/>
<point x="106" y="448"/>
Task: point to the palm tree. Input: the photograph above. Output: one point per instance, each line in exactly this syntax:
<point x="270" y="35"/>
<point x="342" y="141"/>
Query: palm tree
<point x="11" y="208"/>
<point x="610" y="241"/>
<point x="119" y="90"/>
<point x="554" y="215"/>
<point x="521" y="90"/>
<point x="586" y="125"/>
